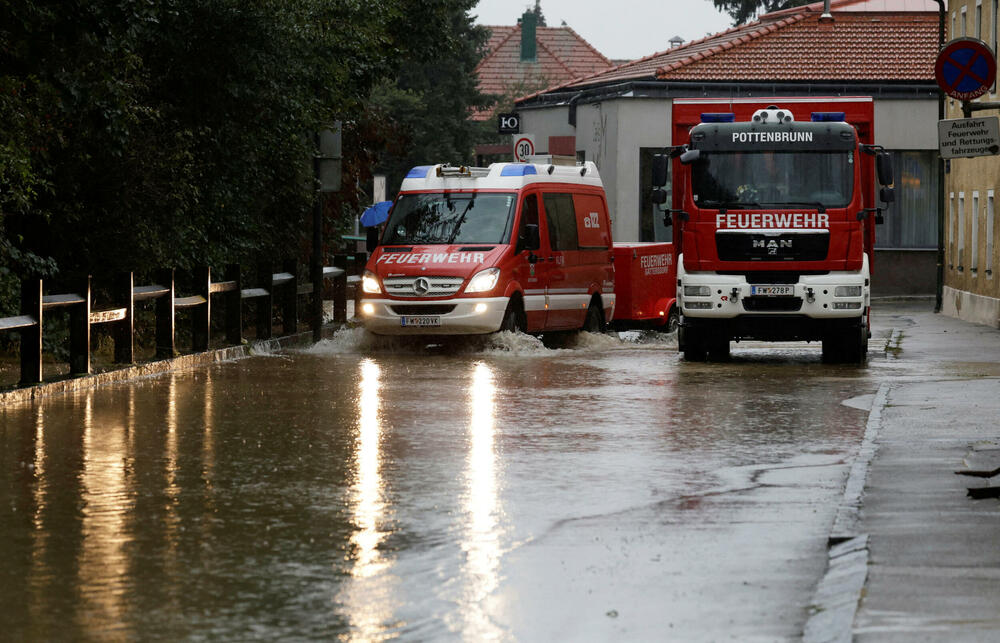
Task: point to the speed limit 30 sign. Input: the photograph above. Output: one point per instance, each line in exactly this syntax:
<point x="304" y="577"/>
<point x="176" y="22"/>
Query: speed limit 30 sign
<point x="524" y="146"/>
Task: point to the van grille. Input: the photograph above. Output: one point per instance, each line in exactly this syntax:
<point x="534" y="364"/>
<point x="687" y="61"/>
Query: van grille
<point x="423" y="309"/>
<point x="415" y="286"/>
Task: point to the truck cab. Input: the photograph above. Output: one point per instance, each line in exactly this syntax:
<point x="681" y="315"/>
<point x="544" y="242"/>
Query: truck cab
<point x="775" y="223"/>
<point x="515" y="246"/>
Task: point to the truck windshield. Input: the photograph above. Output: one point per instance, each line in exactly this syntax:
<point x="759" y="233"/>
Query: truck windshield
<point x="444" y="217"/>
<point x="770" y="178"/>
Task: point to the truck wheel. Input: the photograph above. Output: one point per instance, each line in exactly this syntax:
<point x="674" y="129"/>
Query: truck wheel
<point x="847" y="347"/>
<point x="513" y="318"/>
<point x="594" y="321"/>
<point x="691" y="343"/>
<point x="718" y="350"/>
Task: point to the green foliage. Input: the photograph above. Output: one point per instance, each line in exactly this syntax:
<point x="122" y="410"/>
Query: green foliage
<point x="139" y="134"/>
<point x="743" y="11"/>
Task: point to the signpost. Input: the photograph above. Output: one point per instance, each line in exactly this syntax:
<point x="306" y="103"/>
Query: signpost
<point x="965" y="69"/>
<point x="524" y="146"/>
<point x="967" y="137"/>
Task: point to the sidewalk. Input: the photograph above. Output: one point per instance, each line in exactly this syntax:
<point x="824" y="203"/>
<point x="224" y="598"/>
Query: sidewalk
<point x="933" y="570"/>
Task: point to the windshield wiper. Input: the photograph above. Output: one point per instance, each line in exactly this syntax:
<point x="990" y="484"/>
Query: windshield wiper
<point x="726" y="205"/>
<point x="461" y="220"/>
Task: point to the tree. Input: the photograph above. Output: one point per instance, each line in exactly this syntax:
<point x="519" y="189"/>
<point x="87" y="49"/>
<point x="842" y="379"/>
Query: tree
<point x="743" y="11"/>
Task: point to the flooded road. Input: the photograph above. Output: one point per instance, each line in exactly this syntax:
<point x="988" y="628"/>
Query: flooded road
<point x="499" y="490"/>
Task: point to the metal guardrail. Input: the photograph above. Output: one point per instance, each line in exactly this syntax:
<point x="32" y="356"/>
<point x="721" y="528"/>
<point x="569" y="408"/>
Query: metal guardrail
<point x="282" y="288"/>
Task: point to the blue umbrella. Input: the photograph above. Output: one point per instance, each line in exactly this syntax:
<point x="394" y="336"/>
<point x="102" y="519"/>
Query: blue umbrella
<point x="376" y="214"/>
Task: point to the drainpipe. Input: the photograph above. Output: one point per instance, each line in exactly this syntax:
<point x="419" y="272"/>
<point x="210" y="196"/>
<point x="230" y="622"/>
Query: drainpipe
<point x="939" y="290"/>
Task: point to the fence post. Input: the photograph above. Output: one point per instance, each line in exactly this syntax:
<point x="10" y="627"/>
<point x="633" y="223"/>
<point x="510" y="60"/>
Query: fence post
<point x="79" y="331"/>
<point x="201" y="315"/>
<point x="360" y="261"/>
<point x="234" y="307"/>
<point x="124" y="332"/>
<point x="265" y="280"/>
<point x="165" y="336"/>
<point x="289" y="299"/>
<point x="340" y="290"/>
<point x="31" y="338"/>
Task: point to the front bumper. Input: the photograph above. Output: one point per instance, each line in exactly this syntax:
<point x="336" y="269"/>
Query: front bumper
<point x="462" y="319"/>
<point x="813" y="296"/>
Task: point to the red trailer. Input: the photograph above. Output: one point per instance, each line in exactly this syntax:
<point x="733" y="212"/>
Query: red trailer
<point x="645" y="286"/>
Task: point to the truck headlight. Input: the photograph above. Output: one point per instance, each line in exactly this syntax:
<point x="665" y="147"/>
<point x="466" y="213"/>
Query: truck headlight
<point x="484" y="280"/>
<point x="369" y="283"/>
<point x="697" y="291"/>
<point x="847" y="291"/>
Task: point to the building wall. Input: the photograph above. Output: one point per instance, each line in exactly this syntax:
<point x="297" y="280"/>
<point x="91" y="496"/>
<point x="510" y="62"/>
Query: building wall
<point x="972" y="191"/>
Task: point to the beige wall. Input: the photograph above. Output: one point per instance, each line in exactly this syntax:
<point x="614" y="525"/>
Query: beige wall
<point x="972" y="286"/>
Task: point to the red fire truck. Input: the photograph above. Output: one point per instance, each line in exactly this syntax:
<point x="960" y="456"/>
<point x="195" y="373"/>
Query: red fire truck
<point x="774" y="213"/>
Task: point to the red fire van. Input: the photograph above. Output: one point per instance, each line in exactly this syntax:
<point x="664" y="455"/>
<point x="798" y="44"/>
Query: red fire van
<point x="515" y="246"/>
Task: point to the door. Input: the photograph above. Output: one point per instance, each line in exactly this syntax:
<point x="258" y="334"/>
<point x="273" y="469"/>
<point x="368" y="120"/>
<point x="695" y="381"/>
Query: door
<point x="534" y="265"/>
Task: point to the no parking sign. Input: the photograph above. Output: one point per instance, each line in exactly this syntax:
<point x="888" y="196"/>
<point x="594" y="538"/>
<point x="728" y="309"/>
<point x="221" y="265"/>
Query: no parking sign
<point x="965" y="68"/>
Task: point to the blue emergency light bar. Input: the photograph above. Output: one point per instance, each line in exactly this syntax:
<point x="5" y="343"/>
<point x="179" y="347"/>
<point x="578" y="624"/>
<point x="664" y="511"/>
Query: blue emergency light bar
<point x="419" y="172"/>
<point x="828" y="117"/>
<point x="518" y="170"/>
<point x="718" y="117"/>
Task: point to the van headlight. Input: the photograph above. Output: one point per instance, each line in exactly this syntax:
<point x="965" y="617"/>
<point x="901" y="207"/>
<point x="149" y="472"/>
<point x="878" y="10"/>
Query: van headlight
<point x="369" y="283"/>
<point x="697" y="291"/>
<point x="484" y="280"/>
<point x="847" y="291"/>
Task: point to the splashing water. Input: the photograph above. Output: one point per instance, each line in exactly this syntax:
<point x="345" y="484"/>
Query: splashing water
<point x="358" y="340"/>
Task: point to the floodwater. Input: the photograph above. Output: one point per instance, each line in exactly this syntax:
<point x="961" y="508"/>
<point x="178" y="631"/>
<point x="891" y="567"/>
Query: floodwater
<point x="493" y="490"/>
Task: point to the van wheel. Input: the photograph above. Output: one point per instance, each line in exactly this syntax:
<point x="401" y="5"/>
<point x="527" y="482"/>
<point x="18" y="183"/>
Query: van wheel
<point x="513" y="318"/>
<point x="594" y="321"/>
<point x="673" y="320"/>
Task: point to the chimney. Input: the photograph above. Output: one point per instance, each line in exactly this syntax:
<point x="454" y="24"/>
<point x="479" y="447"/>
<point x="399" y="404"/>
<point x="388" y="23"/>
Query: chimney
<point x="826" y="18"/>
<point x="529" y="49"/>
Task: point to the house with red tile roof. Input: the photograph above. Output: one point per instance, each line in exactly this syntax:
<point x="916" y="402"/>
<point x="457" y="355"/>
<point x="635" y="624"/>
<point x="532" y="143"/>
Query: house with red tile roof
<point x="527" y="57"/>
<point x="620" y="117"/>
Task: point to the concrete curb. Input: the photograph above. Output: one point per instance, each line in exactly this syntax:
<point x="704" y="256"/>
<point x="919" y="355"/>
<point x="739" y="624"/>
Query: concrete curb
<point x="48" y="389"/>
<point x="835" y="601"/>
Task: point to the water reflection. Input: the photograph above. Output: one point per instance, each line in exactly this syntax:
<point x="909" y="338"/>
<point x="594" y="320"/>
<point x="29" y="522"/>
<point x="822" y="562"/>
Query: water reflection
<point x="368" y="597"/>
<point x="481" y="542"/>
<point x="103" y="564"/>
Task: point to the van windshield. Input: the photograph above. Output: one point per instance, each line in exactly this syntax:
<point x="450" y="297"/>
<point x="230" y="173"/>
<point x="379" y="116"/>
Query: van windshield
<point x="445" y="218"/>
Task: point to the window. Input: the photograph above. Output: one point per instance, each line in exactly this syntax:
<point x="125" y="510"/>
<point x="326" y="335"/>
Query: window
<point x="989" y="233"/>
<point x="912" y="221"/>
<point x="978" y="20"/>
<point x="961" y="230"/>
<point x="974" y="245"/>
<point x="651" y="226"/>
<point x="961" y="22"/>
<point x="951" y="229"/>
<point x="560" y="215"/>
<point x="445" y="217"/>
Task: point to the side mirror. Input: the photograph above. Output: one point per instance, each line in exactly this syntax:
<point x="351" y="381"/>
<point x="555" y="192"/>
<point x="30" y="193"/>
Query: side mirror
<point x="887" y="195"/>
<point x="660" y="166"/>
<point x="659" y="196"/>
<point x="883" y="168"/>
<point x="371" y="242"/>
<point x="690" y="156"/>
<point x="529" y="239"/>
